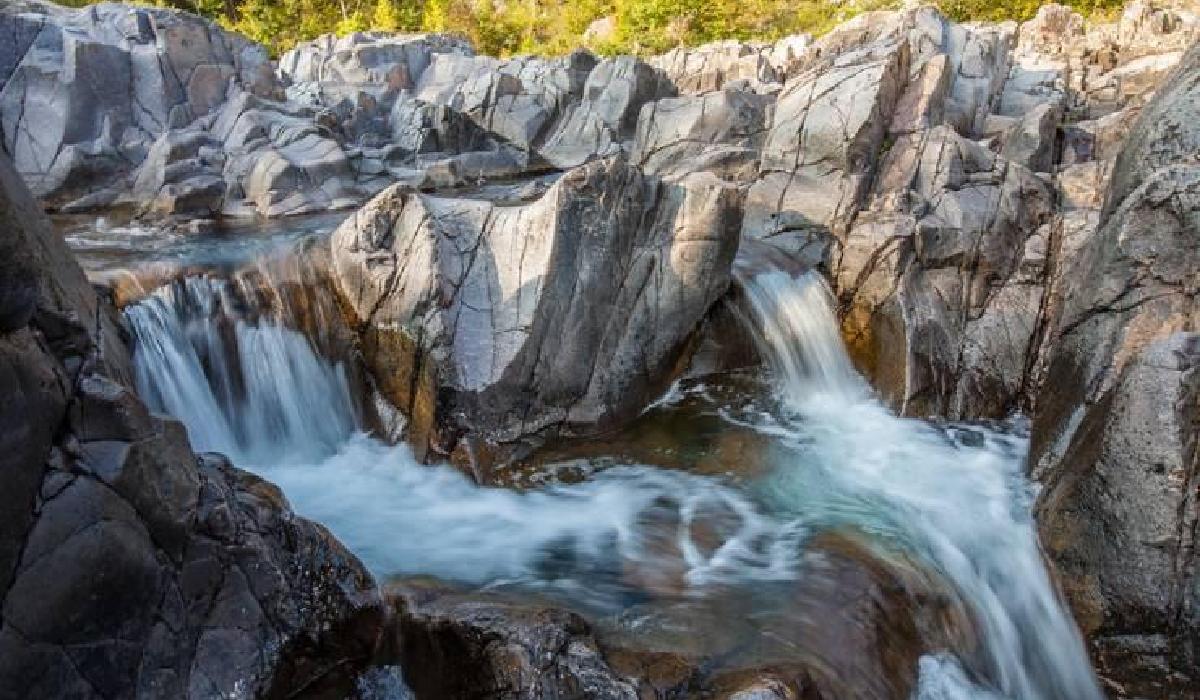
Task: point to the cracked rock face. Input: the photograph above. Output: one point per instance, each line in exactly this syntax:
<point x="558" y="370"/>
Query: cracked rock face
<point x="1116" y="428"/>
<point x="130" y="566"/>
<point x="564" y="314"/>
<point x="941" y="174"/>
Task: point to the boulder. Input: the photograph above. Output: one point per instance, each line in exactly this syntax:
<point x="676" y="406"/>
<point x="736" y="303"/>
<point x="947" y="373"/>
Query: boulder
<point x="516" y="100"/>
<point x="853" y="629"/>
<point x="567" y="314"/>
<point x="942" y="277"/>
<point x="710" y="67"/>
<point x="720" y="131"/>
<point x="459" y="647"/>
<point x="394" y="60"/>
<point x="280" y="161"/>
<point x="607" y="113"/>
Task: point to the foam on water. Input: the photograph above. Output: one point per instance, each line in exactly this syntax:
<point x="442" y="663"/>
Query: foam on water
<point x="956" y="498"/>
<point x="250" y="387"/>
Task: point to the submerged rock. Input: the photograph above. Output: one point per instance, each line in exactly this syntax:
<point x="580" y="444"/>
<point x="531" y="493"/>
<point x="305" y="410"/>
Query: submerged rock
<point x="851" y="627"/>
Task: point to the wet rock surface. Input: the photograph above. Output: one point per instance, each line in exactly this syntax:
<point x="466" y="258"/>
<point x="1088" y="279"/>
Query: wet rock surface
<point x="1006" y="214"/>
<point x="851" y="627"/>
<point x="129" y="565"/>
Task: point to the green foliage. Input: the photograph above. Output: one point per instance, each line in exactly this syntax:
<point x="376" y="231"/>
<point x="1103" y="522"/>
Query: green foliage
<point x="390" y="16"/>
<point x="507" y="27"/>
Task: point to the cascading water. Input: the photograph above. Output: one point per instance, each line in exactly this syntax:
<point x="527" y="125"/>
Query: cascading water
<point x="955" y="497"/>
<point x="248" y="386"/>
<point x="952" y="498"/>
<point x="252" y="389"/>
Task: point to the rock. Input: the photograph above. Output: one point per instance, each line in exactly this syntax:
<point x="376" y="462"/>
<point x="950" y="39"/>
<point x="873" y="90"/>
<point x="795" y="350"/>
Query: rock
<point x="421" y="127"/>
<point x="721" y="132"/>
<point x="394" y="60"/>
<point x="606" y="115"/>
<point x="946" y="264"/>
<point x="85" y="93"/>
<point x="1112" y="514"/>
<point x="279" y="161"/>
<point x="1165" y="135"/>
<point x="1114" y="433"/>
<point x="130" y="566"/>
<point x="459" y="647"/>
<point x="710" y="67"/>
<point x="182" y="175"/>
<point x="860" y="634"/>
<point x="517" y="100"/>
<point x="459" y="299"/>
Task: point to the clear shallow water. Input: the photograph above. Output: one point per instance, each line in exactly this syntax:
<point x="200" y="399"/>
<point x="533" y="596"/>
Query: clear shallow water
<point x="952" y="498"/>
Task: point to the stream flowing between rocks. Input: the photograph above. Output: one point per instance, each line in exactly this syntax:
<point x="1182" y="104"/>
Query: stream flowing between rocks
<point x="728" y="561"/>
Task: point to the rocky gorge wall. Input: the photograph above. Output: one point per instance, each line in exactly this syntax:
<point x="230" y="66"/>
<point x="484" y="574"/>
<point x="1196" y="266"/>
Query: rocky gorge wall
<point x="1005" y="213"/>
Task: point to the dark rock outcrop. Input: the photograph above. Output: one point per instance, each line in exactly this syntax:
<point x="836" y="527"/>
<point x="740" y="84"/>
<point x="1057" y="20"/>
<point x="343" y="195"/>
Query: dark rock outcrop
<point x="130" y="566"/>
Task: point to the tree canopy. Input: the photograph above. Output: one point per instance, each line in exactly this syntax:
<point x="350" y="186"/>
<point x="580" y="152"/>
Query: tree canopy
<point x="506" y="27"/>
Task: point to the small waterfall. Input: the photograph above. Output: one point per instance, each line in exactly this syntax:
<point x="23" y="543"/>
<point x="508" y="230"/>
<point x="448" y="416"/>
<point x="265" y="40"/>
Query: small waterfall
<point x="955" y="497"/>
<point x="243" y="382"/>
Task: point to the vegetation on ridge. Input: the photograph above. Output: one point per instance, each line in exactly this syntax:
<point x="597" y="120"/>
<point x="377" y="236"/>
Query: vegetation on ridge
<point x="506" y="27"/>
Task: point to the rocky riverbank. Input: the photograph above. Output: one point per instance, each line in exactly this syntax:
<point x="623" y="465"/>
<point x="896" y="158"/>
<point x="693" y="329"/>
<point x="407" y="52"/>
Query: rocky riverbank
<point x="1006" y="215"/>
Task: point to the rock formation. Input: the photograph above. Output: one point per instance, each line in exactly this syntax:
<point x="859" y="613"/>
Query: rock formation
<point x="566" y="314"/>
<point x="1006" y="214"/>
<point x="130" y="566"/>
<point x="1118" y="421"/>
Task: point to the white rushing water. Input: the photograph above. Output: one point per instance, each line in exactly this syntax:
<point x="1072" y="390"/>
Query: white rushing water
<point x="953" y="498"/>
<point x="956" y="499"/>
<point x="256" y="391"/>
<point x="248" y="386"/>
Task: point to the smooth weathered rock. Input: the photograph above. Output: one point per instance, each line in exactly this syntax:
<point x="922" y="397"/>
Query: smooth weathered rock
<point x="853" y="630"/>
<point x="279" y="161"/>
<point x="565" y="314"/>
<point x="607" y="114"/>
<point x="396" y="60"/>
<point x="947" y="264"/>
<point x="516" y="100"/>
<point x="710" y="67"/>
<point x="720" y="131"/>
<point x="459" y="647"/>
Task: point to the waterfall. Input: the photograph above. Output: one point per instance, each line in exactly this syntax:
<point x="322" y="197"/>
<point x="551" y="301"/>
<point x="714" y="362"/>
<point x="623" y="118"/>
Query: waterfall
<point x="225" y="356"/>
<point x="241" y="381"/>
<point x="954" y="496"/>
<point x="214" y="354"/>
